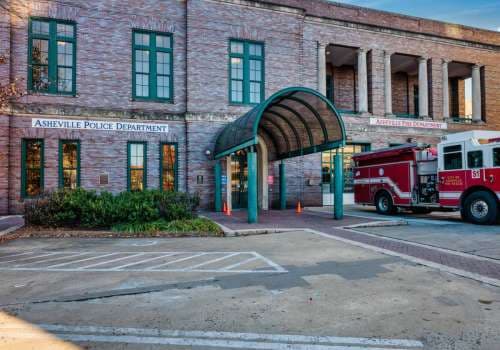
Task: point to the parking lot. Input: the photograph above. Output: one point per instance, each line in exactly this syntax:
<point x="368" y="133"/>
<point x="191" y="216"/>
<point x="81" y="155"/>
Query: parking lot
<point x="293" y="290"/>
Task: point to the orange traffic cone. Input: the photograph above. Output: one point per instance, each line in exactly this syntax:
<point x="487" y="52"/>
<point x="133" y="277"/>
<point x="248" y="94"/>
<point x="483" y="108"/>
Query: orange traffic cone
<point x="228" y="211"/>
<point x="298" y="210"/>
<point x="224" y="207"/>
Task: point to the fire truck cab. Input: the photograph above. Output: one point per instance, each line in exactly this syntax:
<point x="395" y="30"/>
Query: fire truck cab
<point x="462" y="173"/>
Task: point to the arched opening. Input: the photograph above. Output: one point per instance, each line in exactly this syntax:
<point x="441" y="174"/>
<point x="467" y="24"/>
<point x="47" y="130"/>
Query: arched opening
<point x="293" y="122"/>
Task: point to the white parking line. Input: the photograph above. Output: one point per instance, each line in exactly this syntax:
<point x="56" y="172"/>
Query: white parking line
<point x="15" y="254"/>
<point x="81" y="260"/>
<point x="97" y="259"/>
<point x="110" y="261"/>
<point x="143" y="261"/>
<point x="230" y="267"/>
<point x="204" y="339"/>
<point x="31" y="257"/>
<point x="176" y="261"/>
<point x="212" y="261"/>
<point x="66" y="256"/>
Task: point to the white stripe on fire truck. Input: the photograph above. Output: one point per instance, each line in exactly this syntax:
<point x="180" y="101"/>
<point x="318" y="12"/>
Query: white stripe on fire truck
<point x="449" y="195"/>
<point x="386" y="180"/>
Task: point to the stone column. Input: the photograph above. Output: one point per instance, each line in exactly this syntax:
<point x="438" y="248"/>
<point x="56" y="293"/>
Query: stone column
<point x="362" y="82"/>
<point x="322" y="68"/>
<point x="388" y="82"/>
<point x="476" y="93"/>
<point x="423" y="88"/>
<point x="446" y="91"/>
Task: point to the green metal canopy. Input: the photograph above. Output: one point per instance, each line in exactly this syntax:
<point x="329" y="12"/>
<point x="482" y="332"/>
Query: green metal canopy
<point x="296" y="120"/>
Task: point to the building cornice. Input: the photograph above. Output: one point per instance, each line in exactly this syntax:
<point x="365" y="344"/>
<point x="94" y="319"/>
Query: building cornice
<point x="387" y="20"/>
<point x="52" y="110"/>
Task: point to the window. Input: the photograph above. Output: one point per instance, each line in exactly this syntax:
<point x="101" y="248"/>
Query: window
<point x="136" y="175"/>
<point x="246" y="72"/>
<point x="32" y="168"/>
<point x="452" y="157"/>
<point x="496" y="156"/>
<point x="474" y="159"/>
<point x="168" y="166"/>
<point x="327" y="167"/>
<point x="52" y="56"/>
<point x="69" y="164"/>
<point x="152" y="66"/>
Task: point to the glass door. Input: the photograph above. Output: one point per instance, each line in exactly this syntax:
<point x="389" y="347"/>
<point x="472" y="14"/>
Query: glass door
<point x="239" y="180"/>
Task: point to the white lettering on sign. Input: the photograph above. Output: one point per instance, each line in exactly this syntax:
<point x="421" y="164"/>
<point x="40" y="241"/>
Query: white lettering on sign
<point x="98" y="125"/>
<point x="408" y="123"/>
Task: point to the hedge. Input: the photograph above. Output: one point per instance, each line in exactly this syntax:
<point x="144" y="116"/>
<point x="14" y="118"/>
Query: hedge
<point x="81" y="208"/>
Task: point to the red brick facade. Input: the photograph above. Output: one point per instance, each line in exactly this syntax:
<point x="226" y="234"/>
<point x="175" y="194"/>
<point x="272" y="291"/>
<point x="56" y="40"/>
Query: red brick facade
<point x="201" y="29"/>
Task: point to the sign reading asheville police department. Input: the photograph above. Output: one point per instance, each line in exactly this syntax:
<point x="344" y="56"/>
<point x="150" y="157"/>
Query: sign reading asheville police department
<point x="97" y="125"/>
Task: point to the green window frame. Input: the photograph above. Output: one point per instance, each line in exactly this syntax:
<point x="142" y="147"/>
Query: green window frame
<point x="69" y="164"/>
<point x="52" y="56"/>
<point x="169" y="166"/>
<point x="152" y="66"/>
<point x="328" y="167"/>
<point x="246" y="72"/>
<point x="137" y="166"/>
<point x="32" y="167"/>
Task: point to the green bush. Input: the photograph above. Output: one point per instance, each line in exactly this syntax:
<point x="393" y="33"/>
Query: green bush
<point x="88" y="209"/>
<point x="198" y="225"/>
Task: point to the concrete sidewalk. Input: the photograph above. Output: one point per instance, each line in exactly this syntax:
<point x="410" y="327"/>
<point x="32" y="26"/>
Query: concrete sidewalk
<point x="10" y="223"/>
<point x="468" y="265"/>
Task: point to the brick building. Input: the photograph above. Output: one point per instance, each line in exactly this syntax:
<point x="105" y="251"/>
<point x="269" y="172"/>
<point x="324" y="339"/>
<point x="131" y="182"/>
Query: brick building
<point x="132" y="95"/>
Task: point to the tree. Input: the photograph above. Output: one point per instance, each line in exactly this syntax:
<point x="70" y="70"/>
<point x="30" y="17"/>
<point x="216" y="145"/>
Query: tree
<point x="9" y="90"/>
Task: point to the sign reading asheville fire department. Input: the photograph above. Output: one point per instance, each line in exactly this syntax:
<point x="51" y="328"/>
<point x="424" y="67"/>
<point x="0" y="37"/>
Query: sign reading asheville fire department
<point x="408" y="123"/>
<point x="97" y="125"/>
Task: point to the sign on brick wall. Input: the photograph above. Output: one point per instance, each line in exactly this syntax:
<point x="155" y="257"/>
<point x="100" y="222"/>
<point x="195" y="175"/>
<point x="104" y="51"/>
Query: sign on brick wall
<point x="98" y="125"/>
<point x="408" y="123"/>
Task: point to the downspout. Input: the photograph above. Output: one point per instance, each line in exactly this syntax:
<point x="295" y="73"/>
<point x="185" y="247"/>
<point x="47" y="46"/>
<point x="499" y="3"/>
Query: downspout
<point x="10" y="115"/>
<point x="186" y="98"/>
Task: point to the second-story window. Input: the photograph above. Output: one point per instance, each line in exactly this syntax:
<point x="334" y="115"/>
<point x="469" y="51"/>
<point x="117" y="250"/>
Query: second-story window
<point x="152" y="66"/>
<point x="52" y="56"/>
<point x="246" y="72"/>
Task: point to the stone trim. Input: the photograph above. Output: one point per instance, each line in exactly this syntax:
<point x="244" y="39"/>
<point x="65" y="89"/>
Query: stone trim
<point x="401" y="33"/>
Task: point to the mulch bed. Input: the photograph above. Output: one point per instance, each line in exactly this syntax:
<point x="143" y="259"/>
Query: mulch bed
<point x="40" y="232"/>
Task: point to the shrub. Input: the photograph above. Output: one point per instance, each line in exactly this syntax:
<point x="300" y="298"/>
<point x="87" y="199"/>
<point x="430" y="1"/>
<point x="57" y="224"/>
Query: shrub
<point x="88" y="209"/>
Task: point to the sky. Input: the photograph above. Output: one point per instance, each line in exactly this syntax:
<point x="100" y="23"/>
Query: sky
<point x="475" y="13"/>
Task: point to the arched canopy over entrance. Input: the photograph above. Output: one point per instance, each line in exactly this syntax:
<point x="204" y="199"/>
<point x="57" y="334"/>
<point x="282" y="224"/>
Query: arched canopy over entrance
<point x="297" y="120"/>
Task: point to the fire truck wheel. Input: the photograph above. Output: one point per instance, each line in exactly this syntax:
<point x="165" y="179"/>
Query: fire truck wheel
<point x="480" y="208"/>
<point x="384" y="204"/>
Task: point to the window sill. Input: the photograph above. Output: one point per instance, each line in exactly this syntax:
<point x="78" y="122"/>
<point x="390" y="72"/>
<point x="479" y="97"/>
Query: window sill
<point x="236" y="104"/>
<point x="54" y="94"/>
<point x="155" y="100"/>
<point x="463" y="121"/>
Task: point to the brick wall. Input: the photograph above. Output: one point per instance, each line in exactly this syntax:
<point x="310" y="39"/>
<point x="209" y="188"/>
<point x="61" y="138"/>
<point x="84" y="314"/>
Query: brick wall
<point x="101" y="152"/>
<point x="4" y="163"/>
<point x="345" y="87"/>
<point x="291" y="37"/>
<point x="104" y="49"/>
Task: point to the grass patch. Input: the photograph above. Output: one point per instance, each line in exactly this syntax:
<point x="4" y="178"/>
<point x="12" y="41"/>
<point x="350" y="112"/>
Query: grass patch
<point x="198" y="226"/>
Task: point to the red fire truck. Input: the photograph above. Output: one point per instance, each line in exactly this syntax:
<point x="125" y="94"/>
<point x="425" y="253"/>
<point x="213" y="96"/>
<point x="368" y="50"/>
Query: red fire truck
<point x="462" y="173"/>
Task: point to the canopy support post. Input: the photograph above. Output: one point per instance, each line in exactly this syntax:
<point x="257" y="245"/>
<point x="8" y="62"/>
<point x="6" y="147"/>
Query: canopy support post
<point x="218" y="186"/>
<point x="338" y="207"/>
<point x="282" y="186"/>
<point x="252" y="186"/>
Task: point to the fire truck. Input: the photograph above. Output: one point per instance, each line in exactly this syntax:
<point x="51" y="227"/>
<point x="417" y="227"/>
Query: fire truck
<point x="461" y="173"/>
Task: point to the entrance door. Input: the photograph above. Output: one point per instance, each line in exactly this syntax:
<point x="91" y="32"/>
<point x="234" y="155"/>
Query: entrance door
<point x="239" y="180"/>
